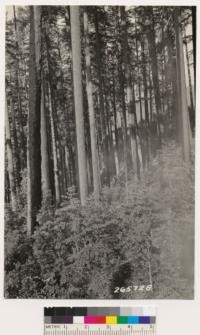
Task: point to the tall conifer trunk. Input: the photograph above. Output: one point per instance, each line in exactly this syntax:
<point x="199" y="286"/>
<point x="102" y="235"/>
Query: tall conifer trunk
<point x="189" y="76"/>
<point x="105" y="142"/>
<point x="154" y="64"/>
<point x="45" y="174"/>
<point x="89" y="89"/>
<point x="78" y="101"/>
<point x="33" y="145"/>
<point x="54" y="149"/>
<point x="129" y="92"/>
<point x="10" y="160"/>
<point x="183" y="116"/>
<point x="19" y="100"/>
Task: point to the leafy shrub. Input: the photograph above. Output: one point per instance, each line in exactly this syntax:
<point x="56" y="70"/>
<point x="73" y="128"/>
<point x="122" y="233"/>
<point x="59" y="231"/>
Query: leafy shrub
<point x="131" y="237"/>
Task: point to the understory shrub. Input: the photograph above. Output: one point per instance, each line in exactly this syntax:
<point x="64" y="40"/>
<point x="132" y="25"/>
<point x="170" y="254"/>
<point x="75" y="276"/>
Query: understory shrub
<point x="131" y="237"/>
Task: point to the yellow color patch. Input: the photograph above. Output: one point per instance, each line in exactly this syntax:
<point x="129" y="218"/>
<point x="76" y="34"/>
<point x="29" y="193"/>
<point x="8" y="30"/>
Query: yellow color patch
<point x="111" y="320"/>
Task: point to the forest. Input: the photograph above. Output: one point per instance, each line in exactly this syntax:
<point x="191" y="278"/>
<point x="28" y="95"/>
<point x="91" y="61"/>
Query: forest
<point x="99" y="152"/>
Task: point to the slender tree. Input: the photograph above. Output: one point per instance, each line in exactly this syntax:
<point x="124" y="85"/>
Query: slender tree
<point x="15" y="144"/>
<point x="129" y="91"/>
<point x="102" y="111"/>
<point x="19" y="99"/>
<point x="54" y="148"/>
<point x="184" y="126"/>
<point x="45" y="173"/>
<point x="189" y="72"/>
<point x="194" y="9"/>
<point x="89" y="88"/>
<point x="10" y="160"/>
<point x="33" y="145"/>
<point x="52" y="116"/>
<point x="153" y="55"/>
<point x="78" y="101"/>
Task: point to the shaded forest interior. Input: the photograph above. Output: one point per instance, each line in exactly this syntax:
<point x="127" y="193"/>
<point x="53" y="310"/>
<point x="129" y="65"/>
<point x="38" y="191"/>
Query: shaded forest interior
<point x="99" y="151"/>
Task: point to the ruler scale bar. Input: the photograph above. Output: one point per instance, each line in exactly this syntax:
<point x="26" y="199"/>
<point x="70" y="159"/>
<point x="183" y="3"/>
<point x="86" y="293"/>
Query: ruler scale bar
<point x="60" y="329"/>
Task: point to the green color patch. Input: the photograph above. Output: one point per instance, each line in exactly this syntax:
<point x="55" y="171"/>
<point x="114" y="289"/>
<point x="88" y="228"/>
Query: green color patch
<point x="122" y="319"/>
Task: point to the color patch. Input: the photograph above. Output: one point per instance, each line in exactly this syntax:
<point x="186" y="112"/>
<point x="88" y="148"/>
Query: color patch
<point x="152" y="319"/>
<point x="144" y="320"/>
<point x="78" y="319"/>
<point x="47" y="319"/>
<point x="133" y="320"/>
<point x="122" y="320"/>
<point x="111" y="320"/>
<point x="100" y="319"/>
<point x="89" y="319"/>
<point x="99" y="315"/>
<point x="61" y="319"/>
<point x="94" y="319"/>
<point x="126" y="311"/>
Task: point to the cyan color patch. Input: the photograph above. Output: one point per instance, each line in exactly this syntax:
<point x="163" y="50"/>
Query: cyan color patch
<point x="133" y="319"/>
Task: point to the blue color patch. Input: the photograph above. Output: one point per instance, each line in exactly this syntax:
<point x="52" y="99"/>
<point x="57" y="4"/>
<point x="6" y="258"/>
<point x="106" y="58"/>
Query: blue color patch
<point x="144" y="320"/>
<point x="133" y="319"/>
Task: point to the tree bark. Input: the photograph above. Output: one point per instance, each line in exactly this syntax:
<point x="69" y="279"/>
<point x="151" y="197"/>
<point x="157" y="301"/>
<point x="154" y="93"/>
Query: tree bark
<point x="153" y="56"/>
<point x="20" y="112"/>
<point x="78" y="101"/>
<point x="10" y="160"/>
<point x="34" y="142"/>
<point x="15" y="145"/>
<point x="189" y="74"/>
<point x="46" y="186"/>
<point x="53" y="119"/>
<point x="138" y="74"/>
<point x="54" y="149"/>
<point x="105" y="148"/>
<point x="114" y="129"/>
<point x="129" y="91"/>
<point x="184" y="126"/>
<point x="145" y="82"/>
<point x="89" y="89"/>
<point x="194" y="9"/>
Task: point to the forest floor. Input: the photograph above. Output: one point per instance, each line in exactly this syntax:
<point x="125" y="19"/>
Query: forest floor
<point x="106" y="250"/>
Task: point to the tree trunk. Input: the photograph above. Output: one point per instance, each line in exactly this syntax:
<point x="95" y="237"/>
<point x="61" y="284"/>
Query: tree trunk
<point x="89" y="89"/>
<point x="53" y="119"/>
<point x="105" y="148"/>
<point x="64" y="170"/>
<point x="67" y="165"/>
<point x="145" y="82"/>
<point x="129" y="90"/>
<point x="153" y="56"/>
<point x="15" y="146"/>
<point x="45" y="174"/>
<point x="189" y="77"/>
<point x="138" y="74"/>
<point x="54" y="149"/>
<point x="184" y="126"/>
<point x="194" y="9"/>
<point x="150" y="96"/>
<point x="33" y="145"/>
<point x="78" y="101"/>
<point x="114" y="129"/>
<point x="20" y="112"/>
<point x="10" y="160"/>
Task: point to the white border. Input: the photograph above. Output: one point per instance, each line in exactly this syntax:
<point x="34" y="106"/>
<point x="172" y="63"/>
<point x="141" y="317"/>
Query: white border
<point x="175" y="317"/>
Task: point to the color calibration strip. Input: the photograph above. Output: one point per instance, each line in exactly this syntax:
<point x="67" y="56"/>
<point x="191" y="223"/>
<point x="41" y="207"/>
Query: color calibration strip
<point x="99" y="315"/>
